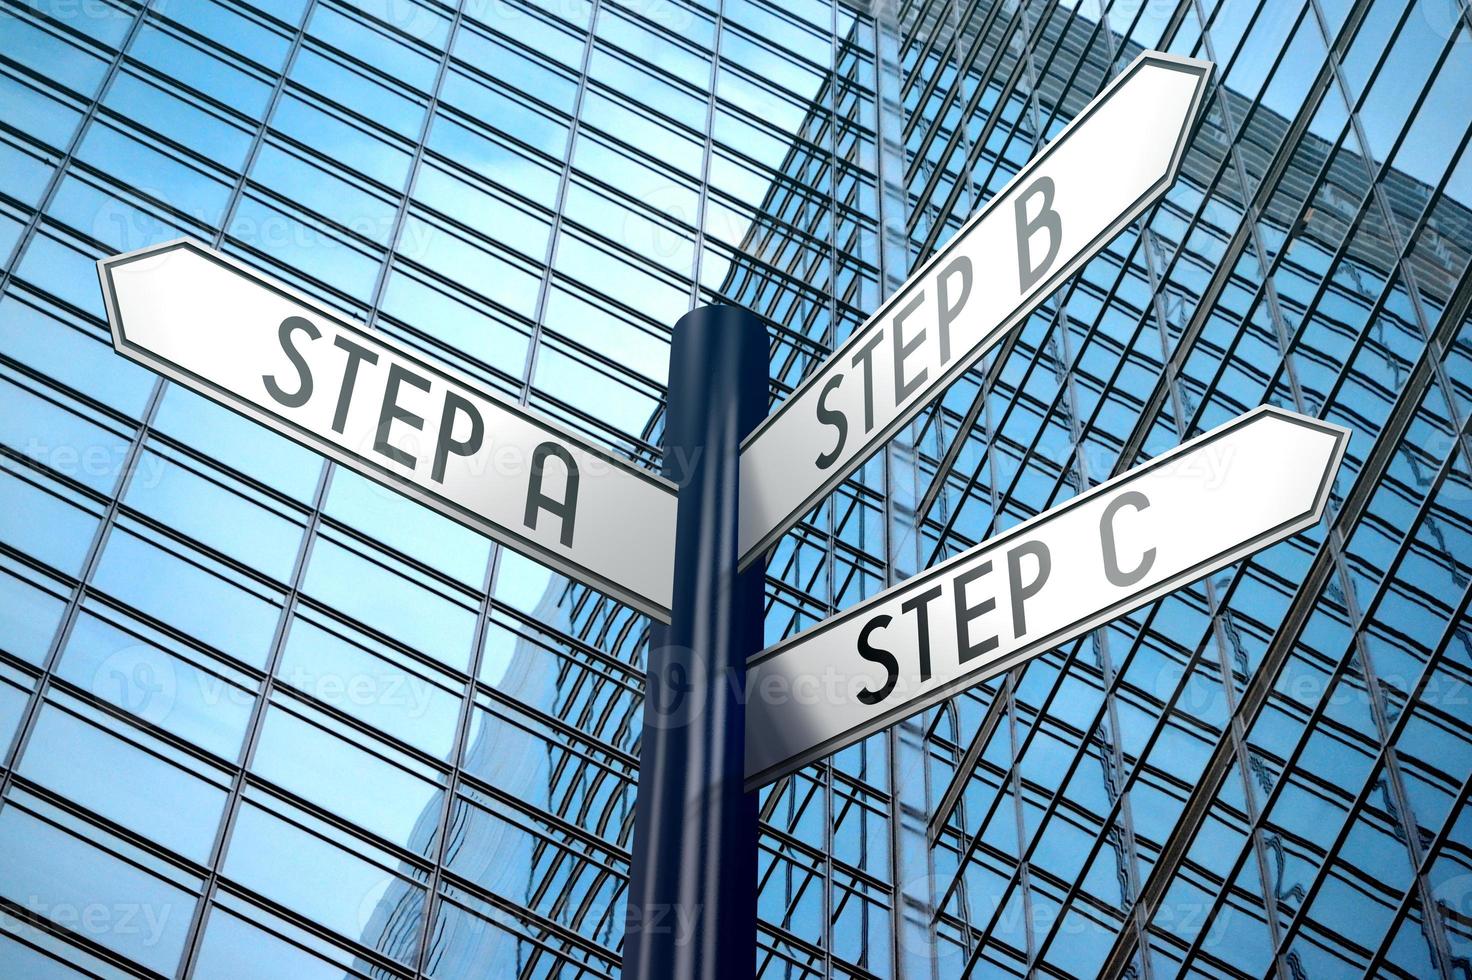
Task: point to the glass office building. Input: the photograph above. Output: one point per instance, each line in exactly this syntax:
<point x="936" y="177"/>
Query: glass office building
<point x="259" y="716"/>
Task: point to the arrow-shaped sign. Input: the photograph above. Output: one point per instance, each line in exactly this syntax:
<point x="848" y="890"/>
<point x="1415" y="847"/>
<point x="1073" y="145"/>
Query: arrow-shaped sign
<point x="1107" y="166"/>
<point x="375" y="405"/>
<point x="1259" y="478"/>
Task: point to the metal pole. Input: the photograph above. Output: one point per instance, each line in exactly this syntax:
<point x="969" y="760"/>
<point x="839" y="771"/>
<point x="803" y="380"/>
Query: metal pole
<point x="692" y="887"/>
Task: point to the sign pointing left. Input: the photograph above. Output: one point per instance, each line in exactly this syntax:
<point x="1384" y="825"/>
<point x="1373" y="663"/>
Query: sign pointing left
<point x="374" y="405"/>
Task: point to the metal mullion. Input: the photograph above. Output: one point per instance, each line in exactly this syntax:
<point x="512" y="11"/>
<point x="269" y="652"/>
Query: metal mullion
<point x="258" y="709"/>
<point x="953" y="798"/>
<point x="1266" y="293"/>
<point x="928" y="40"/>
<point x="579" y="743"/>
<point x="185" y="157"/>
<point x="357" y="541"/>
<point x="371" y="71"/>
<point x="1362" y="337"/>
<point x="1403" y="804"/>
<point x="1433" y="853"/>
<point x="1251" y="213"/>
<point x="1334" y="849"/>
<point x="1258" y="688"/>
<point x="208" y="103"/>
<point x="974" y="155"/>
<point x="1070" y="362"/>
<point x="1117" y="807"/>
<point x="1025" y="451"/>
<point x="110" y="417"/>
<point x="348" y="726"/>
<point x="1101" y="30"/>
<point x="9" y="909"/>
<point x="68" y="156"/>
<point x="797" y="846"/>
<point x="217" y="46"/>
<point x="253" y="727"/>
<point x="972" y="844"/>
<point x="1259" y="297"/>
<point x="382" y="25"/>
<point x="886" y="66"/>
<point x="958" y="444"/>
<point x="33" y="472"/>
<point x="1039" y="121"/>
<point x="1404" y="243"/>
<point x="531" y="917"/>
<point x="586" y="838"/>
<point x="1237" y="241"/>
<point x="963" y="64"/>
<point x="1234" y="731"/>
<point x="415" y="161"/>
<point x="79" y="587"/>
<point x="959" y="138"/>
<point x="475" y="123"/>
<point x="172" y="740"/>
<point x="1382" y="756"/>
<point x="636" y="378"/>
<point x="559" y="203"/>
<point x="788" y="937"/>
<point x="947" y="528"/>
<point x="222" y="475"/>
<point x="968" y="422"/>
<point x="1251" y="218"/>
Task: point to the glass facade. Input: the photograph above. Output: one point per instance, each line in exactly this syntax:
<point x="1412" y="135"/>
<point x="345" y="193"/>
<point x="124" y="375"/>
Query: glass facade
<point x="261" y="717"/>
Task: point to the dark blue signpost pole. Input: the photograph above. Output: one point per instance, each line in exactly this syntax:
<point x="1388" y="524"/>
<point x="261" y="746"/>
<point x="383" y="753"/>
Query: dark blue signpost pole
<point x="692" y="887"/>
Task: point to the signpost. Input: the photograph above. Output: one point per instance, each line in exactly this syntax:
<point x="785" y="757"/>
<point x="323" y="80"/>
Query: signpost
<point x="1107" y="166"/>
<point x="1258" y="479"/>
<point x="375" y="405"/>
<point x="381" y="408"/>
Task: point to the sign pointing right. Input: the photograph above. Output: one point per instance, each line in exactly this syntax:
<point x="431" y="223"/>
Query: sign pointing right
<point x="1260" y="478"/>
<point x="1107" y="166"/>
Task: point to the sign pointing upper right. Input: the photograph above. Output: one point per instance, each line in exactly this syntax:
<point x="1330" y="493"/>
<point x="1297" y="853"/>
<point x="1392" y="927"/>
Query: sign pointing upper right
<point x="1114" y="160"/>
<point x="1255" y="480"/>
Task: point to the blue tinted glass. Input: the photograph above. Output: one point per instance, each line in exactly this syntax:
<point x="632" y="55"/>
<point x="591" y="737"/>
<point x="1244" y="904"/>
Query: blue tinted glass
<point x="428" y="622"/>
<point x="28" y="617"/>
<point x="325" y="881"/>
<point x="367" y="681"/>
<point x="179" y="690"/>
<point x="233" y="620"/>
<point x="41" y="519"/>
<point x="195" y="504"/>
<point x="233" y="948"/>
<point x="227" y="438"/>
<point x="80" y="886"/>
<point x="125" y="780"/>
<point x="341" y="771"/>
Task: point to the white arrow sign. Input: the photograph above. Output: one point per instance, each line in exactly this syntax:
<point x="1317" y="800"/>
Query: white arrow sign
<point x="1258" y="479"/>
<point x="1106" y="167"/>
<point x="375" y="405"/>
